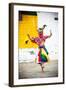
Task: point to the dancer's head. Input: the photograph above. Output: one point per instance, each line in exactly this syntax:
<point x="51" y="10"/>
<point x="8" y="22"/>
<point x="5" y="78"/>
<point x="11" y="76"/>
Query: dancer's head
<point x="40" y="31"/>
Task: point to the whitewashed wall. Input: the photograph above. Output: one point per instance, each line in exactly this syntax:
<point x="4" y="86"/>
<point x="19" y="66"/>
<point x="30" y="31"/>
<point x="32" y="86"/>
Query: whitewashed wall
<point x="52" y="24"/>
<point x="51" y="43"/>
<point x="26" y="55"/>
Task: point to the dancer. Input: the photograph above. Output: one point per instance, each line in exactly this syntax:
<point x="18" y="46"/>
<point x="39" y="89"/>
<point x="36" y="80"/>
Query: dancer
<point x="43" y="53"/>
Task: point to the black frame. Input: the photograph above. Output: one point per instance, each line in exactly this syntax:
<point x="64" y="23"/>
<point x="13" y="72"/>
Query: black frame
<point x="11" y="43"/>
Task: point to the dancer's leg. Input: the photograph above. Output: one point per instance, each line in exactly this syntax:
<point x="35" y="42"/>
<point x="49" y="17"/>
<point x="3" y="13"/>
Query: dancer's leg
<point x="42" y="66"/>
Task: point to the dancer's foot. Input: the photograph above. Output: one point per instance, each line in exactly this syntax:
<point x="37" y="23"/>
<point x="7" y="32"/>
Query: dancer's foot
<point x="42" y="69"/>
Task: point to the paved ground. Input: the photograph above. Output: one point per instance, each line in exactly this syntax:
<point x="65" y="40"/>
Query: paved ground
<point x="33" y="70"/>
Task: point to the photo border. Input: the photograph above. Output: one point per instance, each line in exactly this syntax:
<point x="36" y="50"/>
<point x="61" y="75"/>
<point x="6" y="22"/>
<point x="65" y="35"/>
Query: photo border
<point x="11" y="43"/>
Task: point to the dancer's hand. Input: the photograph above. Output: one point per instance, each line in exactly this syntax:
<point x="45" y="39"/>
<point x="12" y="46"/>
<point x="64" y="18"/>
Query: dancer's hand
<point x="50" y="33"/>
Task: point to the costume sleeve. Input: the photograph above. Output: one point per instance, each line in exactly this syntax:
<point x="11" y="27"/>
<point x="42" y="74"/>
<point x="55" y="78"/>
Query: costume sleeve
<point x="45" y="37"/>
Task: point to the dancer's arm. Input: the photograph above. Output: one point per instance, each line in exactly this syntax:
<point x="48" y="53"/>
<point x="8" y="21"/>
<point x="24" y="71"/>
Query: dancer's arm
<point x="31" y="38"/>
<point x="50" y="34"/>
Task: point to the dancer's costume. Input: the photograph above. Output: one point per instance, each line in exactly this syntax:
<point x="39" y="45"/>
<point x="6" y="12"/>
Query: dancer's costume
<point x="43" y="53"/>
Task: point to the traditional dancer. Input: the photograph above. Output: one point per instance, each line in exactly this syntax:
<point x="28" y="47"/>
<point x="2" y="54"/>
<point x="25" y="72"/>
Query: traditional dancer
<point x="43" y="53"/>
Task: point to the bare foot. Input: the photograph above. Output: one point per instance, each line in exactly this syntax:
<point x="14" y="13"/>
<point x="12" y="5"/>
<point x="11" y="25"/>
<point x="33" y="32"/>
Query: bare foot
<point x="42" y="69"/>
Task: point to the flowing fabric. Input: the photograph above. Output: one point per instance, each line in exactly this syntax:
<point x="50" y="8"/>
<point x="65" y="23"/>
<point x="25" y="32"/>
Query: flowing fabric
<point x="42" y="55"/>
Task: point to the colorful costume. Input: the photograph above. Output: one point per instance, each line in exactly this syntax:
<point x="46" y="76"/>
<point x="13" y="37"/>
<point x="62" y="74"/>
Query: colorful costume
<point x="43" y="53"/>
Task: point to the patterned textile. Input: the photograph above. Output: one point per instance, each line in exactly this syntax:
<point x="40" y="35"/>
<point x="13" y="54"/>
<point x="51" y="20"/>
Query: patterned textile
<point x="38" y="40"/>
<point x="42" y="55"/>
